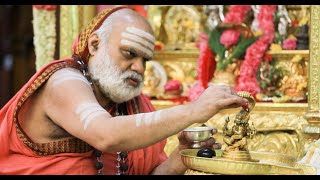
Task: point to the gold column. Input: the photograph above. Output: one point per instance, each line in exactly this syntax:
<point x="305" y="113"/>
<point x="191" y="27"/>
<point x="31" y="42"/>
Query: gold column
<point x="313" y="113"/>
<point x="73" y="18"/>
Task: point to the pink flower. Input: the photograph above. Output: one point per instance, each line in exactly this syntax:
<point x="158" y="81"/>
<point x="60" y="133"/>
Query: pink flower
<point x="173" y="85"/>
<point x="237" y="13"/>
<point x="229" y="37"/>
<point x="289" y="44"/>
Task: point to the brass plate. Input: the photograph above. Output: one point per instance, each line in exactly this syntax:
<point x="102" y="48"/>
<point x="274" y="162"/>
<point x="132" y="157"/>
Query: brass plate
<point x="219" y="165"/>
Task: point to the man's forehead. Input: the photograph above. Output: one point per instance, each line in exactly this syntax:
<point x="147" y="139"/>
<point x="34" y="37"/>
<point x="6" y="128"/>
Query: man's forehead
<point x="139" y="39"/>
<point x="140" y="32"/>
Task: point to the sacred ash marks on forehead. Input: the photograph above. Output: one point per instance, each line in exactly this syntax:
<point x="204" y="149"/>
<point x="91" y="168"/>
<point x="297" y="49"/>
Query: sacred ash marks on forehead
<point x="138" y="39"/>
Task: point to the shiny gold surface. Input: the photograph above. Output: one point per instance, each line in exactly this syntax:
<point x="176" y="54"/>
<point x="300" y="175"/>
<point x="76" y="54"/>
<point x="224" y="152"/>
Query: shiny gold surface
<point x="177" y="27"/>
<point x="313" y="115"/>
<point x="236" y="138"/>
<point x="72" y="19"/>
<point x="284" y="128"/>
<point x="268" y="163"/>
<point x="279" y="127"/>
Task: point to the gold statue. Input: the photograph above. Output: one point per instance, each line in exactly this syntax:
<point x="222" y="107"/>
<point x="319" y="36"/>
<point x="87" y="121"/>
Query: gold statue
<point x="236" y="137"/>
<point x="295" y="83"/>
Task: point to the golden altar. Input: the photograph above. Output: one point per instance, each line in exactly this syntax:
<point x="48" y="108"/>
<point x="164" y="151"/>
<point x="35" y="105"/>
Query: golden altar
<point x="285" y="129"/>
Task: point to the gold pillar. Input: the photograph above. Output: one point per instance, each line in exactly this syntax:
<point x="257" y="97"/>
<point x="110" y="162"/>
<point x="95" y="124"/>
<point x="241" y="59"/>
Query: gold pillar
<point x="313" y="113"/>
<point x="73" y="18"/>
<point x="44" y="28"/>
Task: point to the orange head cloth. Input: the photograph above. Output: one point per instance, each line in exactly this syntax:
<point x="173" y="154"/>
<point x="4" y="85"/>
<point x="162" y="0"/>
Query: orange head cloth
<point x="80" y="46"/>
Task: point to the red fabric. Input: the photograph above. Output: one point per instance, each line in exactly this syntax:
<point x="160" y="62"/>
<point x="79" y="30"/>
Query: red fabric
<point x="84" y="53"/>
<point x="141" y="161"/>
<point x="17" y="158"/>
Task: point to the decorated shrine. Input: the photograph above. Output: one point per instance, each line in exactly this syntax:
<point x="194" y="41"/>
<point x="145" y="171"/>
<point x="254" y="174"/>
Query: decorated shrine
<point x="268" y="52"/>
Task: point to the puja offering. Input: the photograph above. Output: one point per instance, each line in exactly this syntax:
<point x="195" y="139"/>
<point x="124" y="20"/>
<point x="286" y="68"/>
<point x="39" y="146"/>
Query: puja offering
<point x="197" y="134"/>
<point x="235" y="158"/>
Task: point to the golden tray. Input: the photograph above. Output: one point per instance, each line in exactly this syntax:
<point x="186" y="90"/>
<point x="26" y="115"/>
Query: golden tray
<point x="268" y="163"/>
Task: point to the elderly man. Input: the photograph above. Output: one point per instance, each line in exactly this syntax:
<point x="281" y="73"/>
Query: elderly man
<point x="86" y="114"/>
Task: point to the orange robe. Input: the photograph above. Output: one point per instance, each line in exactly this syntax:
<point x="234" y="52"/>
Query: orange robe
<point x="17" y="158"/>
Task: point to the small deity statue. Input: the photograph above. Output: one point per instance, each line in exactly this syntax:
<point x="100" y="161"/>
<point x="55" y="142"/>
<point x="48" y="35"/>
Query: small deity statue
<point x="215" y="15"/>
<point x="303" y="38"/>
<point x="269" y="78"/>
<point x="236" y="137"/>
<point x="284" y="20"/>
<point x="295" y="83"/>
<point x="185" y="30"/>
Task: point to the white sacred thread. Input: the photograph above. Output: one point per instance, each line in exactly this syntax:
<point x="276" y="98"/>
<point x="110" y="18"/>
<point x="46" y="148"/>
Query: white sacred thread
<point x="140" y="32"/>
<point x="66" y="75"/>
<point x="138" y="46"/>
<point x="88" y="112"/>
<point x="138" y="39"/>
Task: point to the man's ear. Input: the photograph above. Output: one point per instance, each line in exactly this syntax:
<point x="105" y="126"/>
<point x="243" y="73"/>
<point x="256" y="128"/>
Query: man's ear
<point x="93" y="43"/>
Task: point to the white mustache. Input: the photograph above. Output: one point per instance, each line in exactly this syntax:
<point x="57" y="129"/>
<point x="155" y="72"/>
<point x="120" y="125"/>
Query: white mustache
<point x="132" y="75"/>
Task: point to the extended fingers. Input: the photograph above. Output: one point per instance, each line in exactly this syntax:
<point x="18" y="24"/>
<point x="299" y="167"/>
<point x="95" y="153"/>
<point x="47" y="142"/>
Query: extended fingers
<point x="208" y="143"/>
<point x="227" y="89"/>
<point x="217" y="146"/>
<point x="231" y="101"/>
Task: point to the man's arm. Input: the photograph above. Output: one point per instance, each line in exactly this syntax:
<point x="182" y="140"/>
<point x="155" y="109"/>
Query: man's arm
<point x="72" y="105"/>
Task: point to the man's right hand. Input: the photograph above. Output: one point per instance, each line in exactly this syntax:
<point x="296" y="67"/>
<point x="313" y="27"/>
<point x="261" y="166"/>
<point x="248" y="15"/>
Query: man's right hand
<point x="214" y="99"/>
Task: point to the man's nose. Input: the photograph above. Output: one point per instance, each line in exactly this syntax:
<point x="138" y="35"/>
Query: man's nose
<point x="138" y="66"/>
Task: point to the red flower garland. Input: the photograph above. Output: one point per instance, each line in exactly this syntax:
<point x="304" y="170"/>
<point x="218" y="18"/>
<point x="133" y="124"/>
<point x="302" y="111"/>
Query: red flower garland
<point x="46" y="7"/>
<point x="254" y="54"/>
<point x="205" y="69"/>
<point x="247" y="80"/>
<point x="237" y="13"/>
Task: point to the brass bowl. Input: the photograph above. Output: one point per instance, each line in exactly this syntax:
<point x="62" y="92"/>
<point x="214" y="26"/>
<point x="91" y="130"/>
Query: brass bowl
<point x="197" y="135"/>
<point x="269" y="163"/>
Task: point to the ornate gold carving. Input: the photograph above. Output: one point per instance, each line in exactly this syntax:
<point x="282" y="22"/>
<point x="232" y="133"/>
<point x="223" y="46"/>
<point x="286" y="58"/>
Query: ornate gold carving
<point x="189" y="56"/>
<point x="280" y="123"/>
<point x="288" y="54"/>
<point x="312" y="116"/>
<point x="179" y="65"/>
<point x="284" y="125"/>
<point x="178" y="27"/>
<point x="155" y="79"/>
<point x="182" y="26"/>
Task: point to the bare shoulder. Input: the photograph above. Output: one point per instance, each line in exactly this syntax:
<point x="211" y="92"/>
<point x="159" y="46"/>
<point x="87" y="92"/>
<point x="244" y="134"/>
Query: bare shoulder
<point x="66" y="76"/>
<point x="65" y="89"/>
<point x="53" y="97"/>
<point x="66" y="83"/>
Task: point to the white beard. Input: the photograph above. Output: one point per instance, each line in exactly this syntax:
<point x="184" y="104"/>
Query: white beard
<point x="111" y="80"/>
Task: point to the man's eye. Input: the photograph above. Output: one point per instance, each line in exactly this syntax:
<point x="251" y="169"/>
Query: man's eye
<point x="129" y="54"/>
<point x="146" y="59"/>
